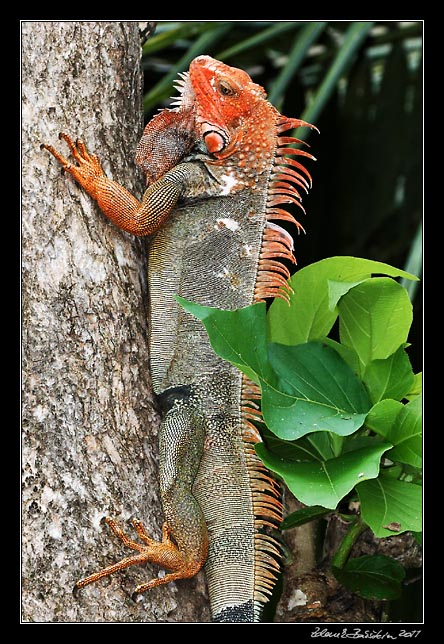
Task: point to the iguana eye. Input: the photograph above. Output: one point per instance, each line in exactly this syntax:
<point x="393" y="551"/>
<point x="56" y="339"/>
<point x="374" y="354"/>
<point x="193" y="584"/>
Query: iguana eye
<point x="226" y="89"/>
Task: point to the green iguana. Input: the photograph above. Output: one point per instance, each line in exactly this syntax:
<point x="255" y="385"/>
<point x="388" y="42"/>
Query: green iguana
<point x="218" y="173"/>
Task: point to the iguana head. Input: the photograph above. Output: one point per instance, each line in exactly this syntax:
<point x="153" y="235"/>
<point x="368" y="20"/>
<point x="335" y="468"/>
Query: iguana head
<point x="221" y="113"/>
<point x="225" y="100"/>
<point x="219" y="110"/>
<point x="230" y="111"/>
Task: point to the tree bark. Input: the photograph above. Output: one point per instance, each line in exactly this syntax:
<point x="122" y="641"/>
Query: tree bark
<point x="89" y="422"/>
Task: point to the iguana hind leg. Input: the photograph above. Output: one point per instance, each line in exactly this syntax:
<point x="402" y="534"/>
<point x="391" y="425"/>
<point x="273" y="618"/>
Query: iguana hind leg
<point x="184" y="546"/>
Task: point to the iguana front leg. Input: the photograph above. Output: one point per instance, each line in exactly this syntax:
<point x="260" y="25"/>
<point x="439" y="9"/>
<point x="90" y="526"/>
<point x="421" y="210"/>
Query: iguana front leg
<point x="184" y="546"/>
<point x="136" y="217"/>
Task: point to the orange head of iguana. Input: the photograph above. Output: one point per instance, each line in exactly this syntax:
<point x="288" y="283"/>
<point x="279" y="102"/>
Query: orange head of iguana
<point x="227" y="103"/>
<point x="233" y="121"/>
<point x="220" y="112"/>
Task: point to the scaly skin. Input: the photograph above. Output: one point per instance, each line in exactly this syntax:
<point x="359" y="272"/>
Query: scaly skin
<point x="217" y="172"/>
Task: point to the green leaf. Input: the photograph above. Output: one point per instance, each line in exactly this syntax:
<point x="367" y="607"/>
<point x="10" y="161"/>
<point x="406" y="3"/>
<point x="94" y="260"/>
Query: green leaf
<point x="382" y="416"/>
<point x="400" y="425"/>
<point x="394" y="471"/>
<point x="406" y="434"/>
<point x="304" y="515"/>
<point x="237" y="336"/>
<point x="357" y="441"/>
<point x="371" y="576"/>
<point x="309" y="317"/>
<point x="315" y="390"/>
<point x="416" y="388"/>
<point x="325" y="482"/>
<point x="386" y="502"/>
<point x="336" y="290"/>
<point x="348" y="355"/>
<point x="390" y="377"/>
<point x="375" y="318"/>
<point x="316" y="446"/>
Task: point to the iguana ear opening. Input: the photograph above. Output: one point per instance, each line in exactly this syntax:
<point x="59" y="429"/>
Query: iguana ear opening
<point x="214" y="141"/>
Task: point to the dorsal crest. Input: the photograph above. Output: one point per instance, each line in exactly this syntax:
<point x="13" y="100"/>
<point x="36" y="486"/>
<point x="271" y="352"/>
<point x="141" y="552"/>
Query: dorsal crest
<point x="288" y="178"/>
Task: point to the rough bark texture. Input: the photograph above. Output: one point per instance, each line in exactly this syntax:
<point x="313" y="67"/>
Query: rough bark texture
<point x="89" y="421"/>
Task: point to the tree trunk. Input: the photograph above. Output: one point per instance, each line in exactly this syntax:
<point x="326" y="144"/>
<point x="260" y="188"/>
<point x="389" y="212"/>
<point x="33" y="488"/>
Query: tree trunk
<point x="89" y="421"/>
